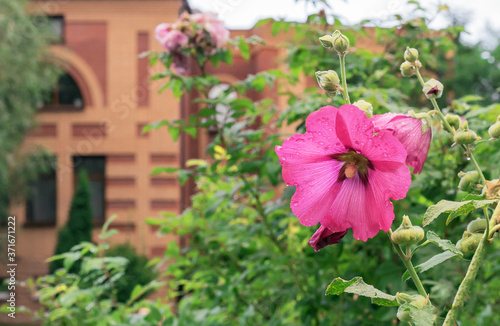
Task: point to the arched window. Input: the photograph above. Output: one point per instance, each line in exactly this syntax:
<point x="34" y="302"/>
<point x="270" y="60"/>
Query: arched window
<point x="66" y="96"/>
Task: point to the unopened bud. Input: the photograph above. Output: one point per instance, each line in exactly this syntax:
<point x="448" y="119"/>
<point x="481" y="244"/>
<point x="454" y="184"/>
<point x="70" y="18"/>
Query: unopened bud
<point x="494" y="130"/>
<point x="364" y="106"/>
<point x="477" y="226"/>
<point x="469" y="242"/>
<point x="407" y="234"/>
<point x="329" y="82"/>
<point x="326" y="41"/>
<point x="433" y="89"/>
<point x="465" y="137"/>
<point x="468" y="180"/>
<point x="453" y="120"/>
<point x="407" y="69"/>
<point x="411" y="54"/>
<point x="405" y="300"/>
<point x="340" y="42"/>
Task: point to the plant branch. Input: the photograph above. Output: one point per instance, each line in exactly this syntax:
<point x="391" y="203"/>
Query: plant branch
<point x="409" y="266"/>
<point x="470" y="276"/>
<point x="345" y="93"/>
<point x="450" y="129"/>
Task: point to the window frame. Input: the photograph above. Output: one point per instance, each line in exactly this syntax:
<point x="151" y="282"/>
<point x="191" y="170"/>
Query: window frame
<point x="96" y="221"/>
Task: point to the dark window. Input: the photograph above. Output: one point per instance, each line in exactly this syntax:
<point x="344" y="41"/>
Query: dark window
<point x="66" y="96"/>
<point x="57" y="26"/>
<point x="41" y="203"/>
<point x="95" y="167"/>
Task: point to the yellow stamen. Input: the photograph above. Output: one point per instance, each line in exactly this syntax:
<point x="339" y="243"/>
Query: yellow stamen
<point x="350" y="171"/>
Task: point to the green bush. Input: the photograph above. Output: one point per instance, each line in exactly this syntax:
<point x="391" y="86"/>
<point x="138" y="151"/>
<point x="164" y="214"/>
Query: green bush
<point x="79" y="226"/>
<point x="136" y="272"/>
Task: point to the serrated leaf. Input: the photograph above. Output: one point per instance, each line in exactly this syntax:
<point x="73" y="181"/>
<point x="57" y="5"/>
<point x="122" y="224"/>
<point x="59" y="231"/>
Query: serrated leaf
<point x="471" y="206"/>
<point x="359" y="287"/>
<point x="444" y="244"/>
<point x="446" y="206"/>
<point x="432" y="262"/>
<point x="422" y="317"/>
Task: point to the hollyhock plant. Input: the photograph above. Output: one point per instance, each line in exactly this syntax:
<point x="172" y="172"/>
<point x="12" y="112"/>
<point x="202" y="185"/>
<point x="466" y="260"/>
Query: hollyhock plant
<point x="201" y="32"/>
<point x="415" y="134"/>
<point x="346" y="172"/>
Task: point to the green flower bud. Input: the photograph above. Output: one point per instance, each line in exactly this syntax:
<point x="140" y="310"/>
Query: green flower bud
<point x="469" y="242"/>
<point x="468" y="180"/>
<point x="340" y="43"/>
<point x="326" y="41"/>
<point x="329" y="82"/>
<point x="433" y="89"/>
<point x="365" y="107"/>
<point x="407" y="234"/>
<point x="407" y="69"/>
<point x="453" y="120"/>
<point x="494" y="130"/>
<point x="405" y="300"/>
<point x="404" y="314"/>
<point x="411" y="54"/>
<point x="425" y="117"/>
<point x="465" y="137"/>
<point x="477" y="226"/>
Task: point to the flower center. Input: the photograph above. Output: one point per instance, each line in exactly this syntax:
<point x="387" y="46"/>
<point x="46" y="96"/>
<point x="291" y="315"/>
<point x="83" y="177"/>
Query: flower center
<point x="354" y="163"/>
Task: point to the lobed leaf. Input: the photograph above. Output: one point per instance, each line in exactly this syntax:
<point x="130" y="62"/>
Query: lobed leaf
<point x="359" y="287"/>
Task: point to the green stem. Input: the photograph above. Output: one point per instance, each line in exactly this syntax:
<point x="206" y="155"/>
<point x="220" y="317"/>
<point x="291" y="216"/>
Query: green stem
<point x="345" y="93"/>
<point x="450" y="129"/>
<point x="409" y="266"/>
<point x="470" y="276"/>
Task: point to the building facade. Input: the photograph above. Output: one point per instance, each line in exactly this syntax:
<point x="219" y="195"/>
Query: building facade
<point x="94" y="121"/>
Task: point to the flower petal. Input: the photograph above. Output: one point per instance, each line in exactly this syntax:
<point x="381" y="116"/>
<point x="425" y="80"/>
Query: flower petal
<point x="324" y="237"/>
<point x="353" y="127"/>
<point x="408" y="131"/>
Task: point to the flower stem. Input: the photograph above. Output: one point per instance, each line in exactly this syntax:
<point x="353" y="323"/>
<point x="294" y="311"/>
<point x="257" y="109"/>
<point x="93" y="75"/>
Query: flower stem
<point x="409" y="266"/>
<point x="345" y="93"/>
<point x="476" y="262"/>
<point x="450" y="129"/>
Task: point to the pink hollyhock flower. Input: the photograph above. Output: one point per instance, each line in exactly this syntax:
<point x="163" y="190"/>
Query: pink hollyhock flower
<point x="214" y="27"/>
<point x="171" y="39"/>
<point x="162" y="30"/>
<point x="345" y="173"/>
<point x="411" y="132"/>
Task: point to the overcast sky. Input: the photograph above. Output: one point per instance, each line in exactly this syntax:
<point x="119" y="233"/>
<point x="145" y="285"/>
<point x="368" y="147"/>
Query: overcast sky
<point x="243" y="14"/>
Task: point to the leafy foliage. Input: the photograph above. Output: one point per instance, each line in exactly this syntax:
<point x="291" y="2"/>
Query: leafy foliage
<point x="79" y="226"/>
<point x="26" y="77"/>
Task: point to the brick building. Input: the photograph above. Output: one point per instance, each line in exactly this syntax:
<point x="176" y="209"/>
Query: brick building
<point x="94" y="122"/>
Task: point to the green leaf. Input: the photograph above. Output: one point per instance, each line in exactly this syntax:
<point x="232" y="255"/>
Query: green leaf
<point x="359" y="287"/>
<point x="444" y="244"/>
<point x="244" y="48"/>
<point x="183" y="176"/>
<point x="191" y="131"/>
<point x="433" y="261"/>
<point x="164" y="169"/>
<point x="174" y="132"/>
<point x="276" y="27"/>
<point x="471" y="206"/>
<point x="446" y="206"/>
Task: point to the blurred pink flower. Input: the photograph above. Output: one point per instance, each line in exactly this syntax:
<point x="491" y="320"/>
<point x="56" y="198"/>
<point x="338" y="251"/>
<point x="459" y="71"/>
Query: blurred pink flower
<point x="409" y="132"/>
<point x="171" y="39"/>
<point x="218" y="32"/>
<point x="345" y="173"/>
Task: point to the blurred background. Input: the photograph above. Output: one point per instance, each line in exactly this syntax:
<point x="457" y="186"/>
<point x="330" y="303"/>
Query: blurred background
<point x="76" y="95"/>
